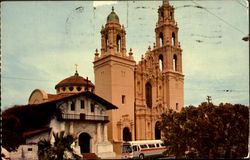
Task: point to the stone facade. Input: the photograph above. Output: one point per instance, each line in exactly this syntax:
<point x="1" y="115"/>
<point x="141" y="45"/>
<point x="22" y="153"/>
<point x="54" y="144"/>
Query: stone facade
<point x="142" y="91"/>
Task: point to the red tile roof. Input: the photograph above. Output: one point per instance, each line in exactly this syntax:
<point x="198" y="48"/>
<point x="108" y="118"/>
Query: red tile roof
<point x="35" y="132"/>
<point x="54" y="98"/>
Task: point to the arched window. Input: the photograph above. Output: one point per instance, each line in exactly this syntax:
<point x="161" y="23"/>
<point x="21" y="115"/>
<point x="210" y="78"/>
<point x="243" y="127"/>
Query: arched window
<point x="171" y="15"/>
<point x="173" y="39"/>
<point x="126" y="134"/>
<point x="148" y="94"/>
<point x="106" y="42"/>
<point x="162" y="16"/>
<point x="157" y="131"/>
<point x="118" y="42"/>
<point x="161" y="62"/>
<point x="161" y="39"/>
<point x="175" y="63"/>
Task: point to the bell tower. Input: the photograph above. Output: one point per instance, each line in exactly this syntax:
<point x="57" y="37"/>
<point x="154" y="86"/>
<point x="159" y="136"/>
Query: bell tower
<point x="113" y="36"/>
<point x="159" y="81"/>
<point x="166" y="33"/>
<point x="169" y="52"/>
<point x="114" y="80"/>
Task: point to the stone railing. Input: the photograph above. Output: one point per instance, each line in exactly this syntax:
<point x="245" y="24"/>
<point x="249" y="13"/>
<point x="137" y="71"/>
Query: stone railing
<point x="83" y="117"/>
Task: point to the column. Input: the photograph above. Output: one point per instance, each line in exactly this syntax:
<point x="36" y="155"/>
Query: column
<point x="63" y="126"/>
<point x="99" y="132"/>
<point x="71" y="130"/>
<point x="105" y="132"/>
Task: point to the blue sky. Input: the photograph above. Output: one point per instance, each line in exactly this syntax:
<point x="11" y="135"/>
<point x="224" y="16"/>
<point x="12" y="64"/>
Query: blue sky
<point x="42" y="42"/>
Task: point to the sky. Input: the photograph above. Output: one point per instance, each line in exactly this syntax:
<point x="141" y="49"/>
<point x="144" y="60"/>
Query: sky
<point x="42" y="41"/>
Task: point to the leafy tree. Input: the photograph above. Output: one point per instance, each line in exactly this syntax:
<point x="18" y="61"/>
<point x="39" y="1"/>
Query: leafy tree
<point x="12" y="132"/>
<point x="172" y="124"/>
<point x="19" y="119"/>
<point x="209" y="131"/>
<point x="58" y="150"/>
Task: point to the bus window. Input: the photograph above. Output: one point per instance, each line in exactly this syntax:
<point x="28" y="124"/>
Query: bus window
<point x="157" y="145"/>
<point x="151" y="146"/>
<point x="135" y="149"/>
<point x="163" y="145"/>
<point x="126" y="149"/>
<point x="143" y="146"/>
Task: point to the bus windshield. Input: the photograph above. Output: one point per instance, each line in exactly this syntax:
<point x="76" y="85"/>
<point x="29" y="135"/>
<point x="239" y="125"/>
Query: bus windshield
<point x="126" y="149"/>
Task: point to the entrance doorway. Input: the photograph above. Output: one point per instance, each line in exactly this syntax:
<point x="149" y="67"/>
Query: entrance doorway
<point x="84" y="142"/>
<point x="157" y="131"/>
<point x="126" y="134"/>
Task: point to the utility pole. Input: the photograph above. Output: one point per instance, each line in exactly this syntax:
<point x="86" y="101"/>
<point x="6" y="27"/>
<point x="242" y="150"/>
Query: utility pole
<point x="209" y="99"/>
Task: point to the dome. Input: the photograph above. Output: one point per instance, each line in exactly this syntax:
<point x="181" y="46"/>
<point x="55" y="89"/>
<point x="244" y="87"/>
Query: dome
<point x="113" y="16"/>
<point x="165" y="1"/>
<point x="75" y="81"/>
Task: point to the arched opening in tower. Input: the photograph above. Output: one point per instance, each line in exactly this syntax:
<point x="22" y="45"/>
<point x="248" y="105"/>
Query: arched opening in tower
<point x="175" y="62"/>
<point x="171" y="15"/>
<point x="161" y="39"/>
<point x="173" y="39"/>
<point x="157" y="131"/>
<point x="126" y="134"/>
<point x="118" y="42"/>
<point x="148" y="94"/>
<point x="161" y="62"/>
<point x="106" y="43"/>
<point x="162" y="16"/>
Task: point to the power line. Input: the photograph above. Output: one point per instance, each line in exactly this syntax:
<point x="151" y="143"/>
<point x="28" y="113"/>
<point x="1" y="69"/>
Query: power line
<point x="220" y="18"/>
<point x="190" y="89"/>
<point x="238" y="1"/>
<point x="20" y="78"/>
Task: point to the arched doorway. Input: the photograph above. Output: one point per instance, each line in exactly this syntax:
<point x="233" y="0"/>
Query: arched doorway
<point x="126" y="134"/>
<point x="84" y="142"/>
<point x="157" y="131"/>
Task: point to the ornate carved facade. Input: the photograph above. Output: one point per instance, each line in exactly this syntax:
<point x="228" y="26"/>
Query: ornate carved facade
<point x="158" y="76"/>
<point x="141" y="91"/>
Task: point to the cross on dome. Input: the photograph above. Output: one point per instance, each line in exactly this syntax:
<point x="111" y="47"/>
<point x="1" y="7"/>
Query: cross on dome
<point x="76" y="66"/>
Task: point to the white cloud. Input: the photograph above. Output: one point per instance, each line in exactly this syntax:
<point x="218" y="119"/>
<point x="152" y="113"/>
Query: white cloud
<point x="102" y="3"/>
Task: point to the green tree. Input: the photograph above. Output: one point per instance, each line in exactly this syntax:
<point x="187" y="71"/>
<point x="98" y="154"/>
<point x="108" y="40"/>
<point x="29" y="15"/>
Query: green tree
<point x="171" y="123"/>
<point x="61" y="145"/>
<point x="208" y="130"/>
<point x="12" y="132"/>
<point x="16" y="120"/>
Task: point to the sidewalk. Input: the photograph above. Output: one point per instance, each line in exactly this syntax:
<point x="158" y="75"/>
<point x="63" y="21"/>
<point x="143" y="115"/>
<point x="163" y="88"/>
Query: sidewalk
<point x="118" y="156"/>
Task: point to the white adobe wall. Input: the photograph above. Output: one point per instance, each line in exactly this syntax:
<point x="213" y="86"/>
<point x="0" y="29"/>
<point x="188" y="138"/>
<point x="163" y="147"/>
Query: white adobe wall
<point x="27" y="152"/>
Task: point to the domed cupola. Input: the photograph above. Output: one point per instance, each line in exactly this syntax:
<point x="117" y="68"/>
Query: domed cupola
<point x="74" y="84"/>
<point x="112" y="17"/>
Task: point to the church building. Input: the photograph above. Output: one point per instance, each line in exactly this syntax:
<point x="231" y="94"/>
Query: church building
<point x="142" y="91"/>
<point x="76" y="111"/>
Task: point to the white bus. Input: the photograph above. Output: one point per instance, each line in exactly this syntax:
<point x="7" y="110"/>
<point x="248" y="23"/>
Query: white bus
<point x="142" y="149"/>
